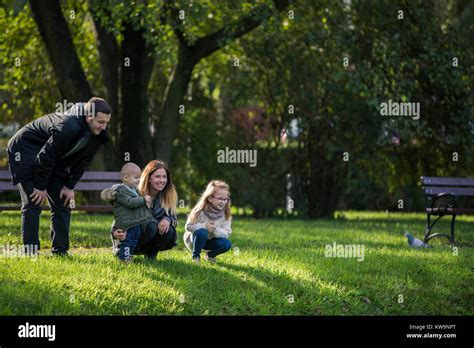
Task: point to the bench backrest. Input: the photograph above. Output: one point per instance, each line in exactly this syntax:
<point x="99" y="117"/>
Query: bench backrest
<point x="433" y="186"/>
<point x="90" y="181"/>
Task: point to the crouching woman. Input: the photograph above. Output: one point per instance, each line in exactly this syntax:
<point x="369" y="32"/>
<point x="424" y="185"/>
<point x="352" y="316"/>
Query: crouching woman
<point x="156" y="182"/>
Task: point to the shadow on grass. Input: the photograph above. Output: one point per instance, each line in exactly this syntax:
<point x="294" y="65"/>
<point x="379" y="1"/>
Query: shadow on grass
<point x="31" y="297"/>
<point x="213" y="287"/>
<point x="235" y="290"/>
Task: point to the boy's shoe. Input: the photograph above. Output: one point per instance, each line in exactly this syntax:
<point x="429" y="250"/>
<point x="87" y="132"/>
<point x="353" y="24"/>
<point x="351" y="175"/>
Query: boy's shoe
<point x="127" y="260"/>
<point x="151" y="257"/>
<point x="196" y="259"/>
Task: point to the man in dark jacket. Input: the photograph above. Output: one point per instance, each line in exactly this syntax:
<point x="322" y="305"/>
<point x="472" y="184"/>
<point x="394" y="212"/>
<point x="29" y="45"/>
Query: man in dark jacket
<point x="47" y="157"/>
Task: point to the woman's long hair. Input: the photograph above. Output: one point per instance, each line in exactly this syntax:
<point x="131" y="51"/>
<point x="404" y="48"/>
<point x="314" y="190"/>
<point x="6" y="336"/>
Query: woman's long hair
<point x="203" y="202"/>
<point x="168" y="197"/>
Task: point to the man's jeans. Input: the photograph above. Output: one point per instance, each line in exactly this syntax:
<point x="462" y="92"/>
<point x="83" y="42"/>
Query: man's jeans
<point x="216" y="246"/>
<point x="30" y="216"/>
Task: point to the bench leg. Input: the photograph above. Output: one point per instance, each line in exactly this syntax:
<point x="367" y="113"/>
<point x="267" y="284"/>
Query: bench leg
<point x="429" y="228"/>
<point x="452" y="229"/>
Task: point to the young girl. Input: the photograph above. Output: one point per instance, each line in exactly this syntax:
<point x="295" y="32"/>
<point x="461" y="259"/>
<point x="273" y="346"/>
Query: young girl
<point x="208" y="224"/>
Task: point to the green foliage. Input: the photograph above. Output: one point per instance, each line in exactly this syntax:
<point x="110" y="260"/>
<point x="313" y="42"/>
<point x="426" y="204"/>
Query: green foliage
<point x="337" y="106"/>
<point x="27" y="82"/>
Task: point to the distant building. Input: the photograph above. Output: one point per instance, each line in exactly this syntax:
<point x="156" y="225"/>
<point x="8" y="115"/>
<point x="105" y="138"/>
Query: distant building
<point x="257" y="125"/>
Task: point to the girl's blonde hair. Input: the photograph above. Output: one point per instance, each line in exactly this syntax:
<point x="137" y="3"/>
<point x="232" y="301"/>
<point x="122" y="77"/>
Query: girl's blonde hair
<point x="203" y="202"/>
<point x="168" y="197"/>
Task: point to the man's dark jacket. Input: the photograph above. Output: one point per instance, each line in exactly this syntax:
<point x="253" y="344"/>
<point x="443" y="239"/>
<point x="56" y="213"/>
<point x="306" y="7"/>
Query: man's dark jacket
<point x="42" y="144"/>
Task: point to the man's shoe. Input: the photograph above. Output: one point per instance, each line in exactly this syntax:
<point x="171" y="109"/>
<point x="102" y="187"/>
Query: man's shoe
<point x="60" y="253"/>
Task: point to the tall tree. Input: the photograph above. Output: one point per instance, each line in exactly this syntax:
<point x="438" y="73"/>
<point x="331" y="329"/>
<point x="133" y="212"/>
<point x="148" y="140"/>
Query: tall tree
<point x="126" y="79"/>
<point x="55" y="33"/>
<point x="189" y="55"/>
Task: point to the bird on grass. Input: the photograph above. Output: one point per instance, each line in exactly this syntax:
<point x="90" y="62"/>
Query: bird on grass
<point x="415" y="242"/>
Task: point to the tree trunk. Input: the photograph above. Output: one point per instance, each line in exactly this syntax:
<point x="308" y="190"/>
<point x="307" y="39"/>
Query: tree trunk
<point x="325" y="175"/>
<point x="53" y="28"/>
<point x="136" y="66"/>
<point x="174" y="96"/>
<point x="324" y="189"/>
<point x="109" y="55"/>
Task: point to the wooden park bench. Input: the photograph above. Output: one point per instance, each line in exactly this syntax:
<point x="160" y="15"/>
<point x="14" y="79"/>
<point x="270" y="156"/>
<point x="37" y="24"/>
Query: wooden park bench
<point x="442" y="199"/>
<point x="90" y="181"/>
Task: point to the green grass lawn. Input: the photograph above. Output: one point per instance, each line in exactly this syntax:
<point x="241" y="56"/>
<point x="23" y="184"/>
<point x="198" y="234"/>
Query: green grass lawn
<point x="279" y="268"/>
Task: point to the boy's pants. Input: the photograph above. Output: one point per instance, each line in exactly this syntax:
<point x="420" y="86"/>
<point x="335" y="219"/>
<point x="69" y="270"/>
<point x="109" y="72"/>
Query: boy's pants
<point x="128" y="245"/>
